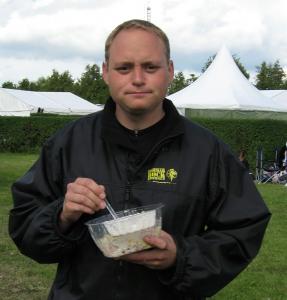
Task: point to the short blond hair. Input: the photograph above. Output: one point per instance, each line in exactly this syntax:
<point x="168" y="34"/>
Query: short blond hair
<point x="137" y="24"/>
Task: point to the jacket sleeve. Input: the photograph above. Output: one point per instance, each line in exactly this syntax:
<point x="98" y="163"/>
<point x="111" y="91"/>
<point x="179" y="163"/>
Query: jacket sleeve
<point x="236" y="219"/>
<point x="38" y="199"/>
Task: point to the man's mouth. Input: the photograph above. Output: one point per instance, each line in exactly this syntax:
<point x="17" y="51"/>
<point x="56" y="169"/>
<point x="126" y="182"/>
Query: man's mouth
<point x="138" y="93"/>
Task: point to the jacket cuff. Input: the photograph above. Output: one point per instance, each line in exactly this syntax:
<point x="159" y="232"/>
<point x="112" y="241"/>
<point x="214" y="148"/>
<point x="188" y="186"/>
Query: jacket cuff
<point x="174" y="274"/>
<point x="76" y="230"/>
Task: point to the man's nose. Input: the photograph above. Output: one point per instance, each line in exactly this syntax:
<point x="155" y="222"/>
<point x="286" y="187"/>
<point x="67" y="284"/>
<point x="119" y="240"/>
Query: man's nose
<point x="138" y="76"/>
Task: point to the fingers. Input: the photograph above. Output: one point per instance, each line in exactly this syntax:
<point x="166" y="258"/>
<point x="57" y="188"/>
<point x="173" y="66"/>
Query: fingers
<point x="83" y="195"/>
<point x="92" y="185"/>
<point x="154" y="258"/>
<point x="87" y="194"/>
<point x="156" y="242"/>
<point x="161" y="256"/>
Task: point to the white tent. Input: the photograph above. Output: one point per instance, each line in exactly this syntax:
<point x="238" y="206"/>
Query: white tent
<point x="74" y="103"/>
<point x="11" y="106"/>
<point x="271" y="93"/>
<point x="63" y="103"/>
<point x="279" y="96"/>
<point x="223" y="87"/>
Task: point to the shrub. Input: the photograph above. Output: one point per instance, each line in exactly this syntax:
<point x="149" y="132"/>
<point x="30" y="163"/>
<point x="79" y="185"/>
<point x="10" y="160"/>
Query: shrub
<point x="249" y="135"/>
<point x="27" y="134"/>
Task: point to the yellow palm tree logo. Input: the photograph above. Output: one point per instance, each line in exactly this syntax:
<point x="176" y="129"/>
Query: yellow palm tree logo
<point x="171" y="174"/>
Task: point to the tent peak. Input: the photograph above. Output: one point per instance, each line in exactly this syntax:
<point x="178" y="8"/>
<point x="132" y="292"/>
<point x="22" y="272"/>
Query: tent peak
<point x="223" y="86"/>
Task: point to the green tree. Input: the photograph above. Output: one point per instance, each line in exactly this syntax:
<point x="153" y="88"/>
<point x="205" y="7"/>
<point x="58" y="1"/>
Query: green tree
<point x="179" y="82"/>
<point x="192" y="78"/>
<point x="262" y="76"/>
<point x="270" y="76"/>
<point x="56" y="82"/>
<point x="91" y="85"/>
<point x="41" y="84"/>
<point x="8" y="85"/>
<point x="208" y="63"/>
<point x="236" y="59"/>
<point x="278" y="75"/>
<point x="27" y="85"/>
<point x="60" y="82"/>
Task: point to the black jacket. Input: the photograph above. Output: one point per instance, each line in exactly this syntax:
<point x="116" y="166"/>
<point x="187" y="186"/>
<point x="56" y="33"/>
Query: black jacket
<point x="211" y="208"/>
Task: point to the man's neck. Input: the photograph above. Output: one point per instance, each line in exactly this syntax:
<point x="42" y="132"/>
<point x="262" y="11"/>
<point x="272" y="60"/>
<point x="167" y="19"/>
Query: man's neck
<point x="139" y="121"/>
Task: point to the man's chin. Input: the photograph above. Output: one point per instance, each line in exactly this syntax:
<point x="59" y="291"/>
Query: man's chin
<point x="137" y="111"/>
<point x="137" y="107"/>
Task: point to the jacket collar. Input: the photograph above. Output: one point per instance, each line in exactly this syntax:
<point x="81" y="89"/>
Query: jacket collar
<point x="113" y="131"/>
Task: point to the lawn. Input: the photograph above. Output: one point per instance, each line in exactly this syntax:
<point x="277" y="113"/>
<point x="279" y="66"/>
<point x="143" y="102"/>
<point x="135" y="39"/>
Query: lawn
<point x="20" y="277"/>
<point x="265" y="278"/>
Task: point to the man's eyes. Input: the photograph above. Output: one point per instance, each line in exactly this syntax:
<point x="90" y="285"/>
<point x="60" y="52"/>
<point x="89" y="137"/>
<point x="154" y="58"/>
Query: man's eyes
<point x="123" y="69"/>
<point x="151" y="68"/>
<point x="127" y="68"/>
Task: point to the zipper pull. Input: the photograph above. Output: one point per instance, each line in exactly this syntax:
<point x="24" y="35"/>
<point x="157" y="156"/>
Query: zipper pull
<point x="127" y="195"/>
<point x="127" y="192"/>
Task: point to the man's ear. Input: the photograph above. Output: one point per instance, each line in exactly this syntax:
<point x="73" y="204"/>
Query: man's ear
<point x="105" y="72"/>
<point x="171" y="70"/>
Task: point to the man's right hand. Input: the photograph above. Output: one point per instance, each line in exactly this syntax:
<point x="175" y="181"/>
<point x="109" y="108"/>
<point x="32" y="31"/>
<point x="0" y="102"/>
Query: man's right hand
<point x="83" y="195"/>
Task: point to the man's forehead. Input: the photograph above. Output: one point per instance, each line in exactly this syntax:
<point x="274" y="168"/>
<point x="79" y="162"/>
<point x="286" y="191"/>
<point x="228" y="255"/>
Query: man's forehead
<point x="133" y="34"/>
<point x="129" y="42"/>
<point x="137" y="45"/>
<point x="135" y="31"/>
<point x="137" y="56"/>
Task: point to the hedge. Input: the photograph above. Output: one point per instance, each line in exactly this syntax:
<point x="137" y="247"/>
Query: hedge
<point x="250" y="135"/>
<point x="27" y="134"/>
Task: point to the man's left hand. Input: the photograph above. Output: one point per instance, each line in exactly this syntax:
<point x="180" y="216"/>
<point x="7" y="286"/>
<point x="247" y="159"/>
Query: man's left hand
<point x="161" y="256"/>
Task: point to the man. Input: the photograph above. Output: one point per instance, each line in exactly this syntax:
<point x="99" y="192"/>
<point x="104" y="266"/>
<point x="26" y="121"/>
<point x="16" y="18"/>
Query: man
<point x="139" y="151"/>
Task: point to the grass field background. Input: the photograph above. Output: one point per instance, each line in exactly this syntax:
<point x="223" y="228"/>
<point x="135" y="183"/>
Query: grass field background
<point x="265" y="278"/>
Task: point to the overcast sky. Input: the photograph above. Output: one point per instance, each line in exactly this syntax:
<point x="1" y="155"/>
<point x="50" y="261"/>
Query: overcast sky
<point x="37" y="36"/>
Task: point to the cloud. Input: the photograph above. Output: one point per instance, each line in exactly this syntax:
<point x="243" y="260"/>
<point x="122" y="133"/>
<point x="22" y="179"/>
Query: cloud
<point x="207" y="27"/>
<point x="41" y="4"/>
<point x="33" y="69"/>
<point x="70" y="29"/>
<point x="254" y="30"/>
<point x="75" y="30"/>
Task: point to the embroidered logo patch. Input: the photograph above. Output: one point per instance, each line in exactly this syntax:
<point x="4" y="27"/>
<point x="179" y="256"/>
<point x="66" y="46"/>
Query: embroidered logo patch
<point x="171" y="174"/>
<point x="161" y="175"/>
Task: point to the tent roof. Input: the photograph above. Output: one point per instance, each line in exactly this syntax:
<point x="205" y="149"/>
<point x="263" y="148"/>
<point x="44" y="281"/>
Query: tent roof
<point x="71" y="101"/>
<point x="271" y="93"/>
<point x="51" y="102"/>
<point x="223" y="86"/>
<point x="12" y="106"/>
<point x="279" y="96"/>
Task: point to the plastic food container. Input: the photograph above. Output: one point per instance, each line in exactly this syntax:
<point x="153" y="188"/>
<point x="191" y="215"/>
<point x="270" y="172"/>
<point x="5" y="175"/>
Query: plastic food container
<point x="117" y="237"/>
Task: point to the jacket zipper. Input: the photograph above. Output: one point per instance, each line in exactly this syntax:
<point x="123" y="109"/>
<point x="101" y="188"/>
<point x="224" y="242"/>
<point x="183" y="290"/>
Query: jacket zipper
<point x="157" y="146"/>
<point x="127" y="194"/>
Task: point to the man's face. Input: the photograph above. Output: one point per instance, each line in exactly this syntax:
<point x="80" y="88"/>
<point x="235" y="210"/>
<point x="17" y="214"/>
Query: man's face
<point x="137" y="73"/>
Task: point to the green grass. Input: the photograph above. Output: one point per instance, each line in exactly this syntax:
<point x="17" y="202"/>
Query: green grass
<point x="264" y="279"/>
<point x="20" y="277"/>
